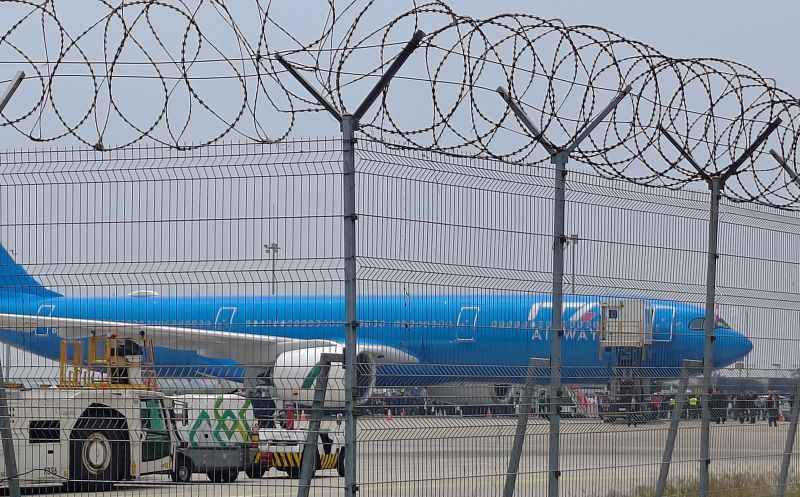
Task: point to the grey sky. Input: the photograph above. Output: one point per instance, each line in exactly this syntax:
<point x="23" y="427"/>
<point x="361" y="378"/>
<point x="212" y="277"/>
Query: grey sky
<point x="762" y="36"/>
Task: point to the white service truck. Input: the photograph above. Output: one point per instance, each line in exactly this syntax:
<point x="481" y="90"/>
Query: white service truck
<point x="219" y="437"/>
<point x="88" y="438"/>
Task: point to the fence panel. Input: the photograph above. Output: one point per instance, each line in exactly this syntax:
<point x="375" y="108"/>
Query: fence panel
<point x="230" y="259"/>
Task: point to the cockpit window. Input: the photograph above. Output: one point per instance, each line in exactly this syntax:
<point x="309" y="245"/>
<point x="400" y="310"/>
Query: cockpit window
<point x="699" y="324"/>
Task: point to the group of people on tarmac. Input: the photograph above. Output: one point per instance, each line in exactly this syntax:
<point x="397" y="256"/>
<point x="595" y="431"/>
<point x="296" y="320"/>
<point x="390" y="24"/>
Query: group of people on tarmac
<point x="748" y="406"/>
<point x="744" y="407"/>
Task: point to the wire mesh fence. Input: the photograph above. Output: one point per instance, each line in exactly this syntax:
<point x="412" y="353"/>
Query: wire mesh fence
<point x="186" y="302"/>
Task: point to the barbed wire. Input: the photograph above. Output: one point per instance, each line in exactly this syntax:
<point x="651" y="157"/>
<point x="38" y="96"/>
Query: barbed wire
<point x="186" y="73"/>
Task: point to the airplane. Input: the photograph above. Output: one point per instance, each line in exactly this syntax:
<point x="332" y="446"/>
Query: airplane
<point x="417" y="340"/>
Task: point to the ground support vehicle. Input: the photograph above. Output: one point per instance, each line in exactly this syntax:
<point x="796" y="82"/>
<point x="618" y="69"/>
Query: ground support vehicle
<point x="218" y="437"/>
<point x="285" y="448"/>
<point x="89" y="438"/>
<point x="101" y="425"/>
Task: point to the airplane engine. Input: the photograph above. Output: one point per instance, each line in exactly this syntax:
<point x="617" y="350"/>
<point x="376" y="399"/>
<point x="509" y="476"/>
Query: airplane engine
<point x="294" y="377"/>
<point x="473" y="394"/>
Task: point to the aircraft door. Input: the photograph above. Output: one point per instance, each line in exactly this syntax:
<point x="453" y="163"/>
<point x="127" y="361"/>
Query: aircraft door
<point x="224" y="318"/>
<point x="662" y="323"/>
<point x="467" y="323"/>
<point x="45" y="310"/>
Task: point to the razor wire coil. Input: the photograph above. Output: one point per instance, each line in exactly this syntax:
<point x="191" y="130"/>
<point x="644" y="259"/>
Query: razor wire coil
<point x="211" y="74"/>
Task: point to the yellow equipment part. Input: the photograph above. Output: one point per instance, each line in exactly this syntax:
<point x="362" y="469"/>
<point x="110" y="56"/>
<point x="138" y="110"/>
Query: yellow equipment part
<point x="102" y="367"/>
<point x="328" y="461"/>
<point x="282" y="460"/>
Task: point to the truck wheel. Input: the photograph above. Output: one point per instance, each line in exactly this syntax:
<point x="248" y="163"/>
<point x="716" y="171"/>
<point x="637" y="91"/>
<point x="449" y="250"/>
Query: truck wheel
<point x="340" y="463"/>
<point x="182" y="473"/>
<point x="255" y="471"/>
<point x="97" y="458"/>
<point x="223" y="475"/>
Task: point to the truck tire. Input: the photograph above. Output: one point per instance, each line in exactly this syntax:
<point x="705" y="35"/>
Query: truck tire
<point x="223" y="475"/>
<point x="182" y="472"/>
<point x="96" y="459"/>
<point x="255" y="471"/>
<point x="340" y="463"/>
<point x="99" y="454"/>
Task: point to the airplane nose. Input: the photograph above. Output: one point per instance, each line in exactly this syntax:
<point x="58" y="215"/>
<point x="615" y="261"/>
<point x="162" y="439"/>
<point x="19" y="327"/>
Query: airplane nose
<point x="729" y="347"/>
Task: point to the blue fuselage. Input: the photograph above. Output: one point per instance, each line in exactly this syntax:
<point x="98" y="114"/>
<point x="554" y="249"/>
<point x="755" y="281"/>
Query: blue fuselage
<point x="454" y="338"/>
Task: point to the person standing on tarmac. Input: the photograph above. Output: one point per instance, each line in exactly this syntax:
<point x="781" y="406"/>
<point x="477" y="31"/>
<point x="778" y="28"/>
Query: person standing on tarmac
<point x="739" y="407"/>
<point x="772" y="405"/>
<point x="601" y="405"/>
<point x="633" y="411"/>
<point x="693" y="403"/>
<point x="713" y="405"/>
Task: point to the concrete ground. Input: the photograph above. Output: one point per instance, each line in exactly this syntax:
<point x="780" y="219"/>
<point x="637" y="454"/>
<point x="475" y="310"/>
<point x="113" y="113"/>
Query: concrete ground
<point x="452" y="456"/>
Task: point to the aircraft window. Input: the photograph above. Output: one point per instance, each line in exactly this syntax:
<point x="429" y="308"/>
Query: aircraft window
<point x="699" y="324"/>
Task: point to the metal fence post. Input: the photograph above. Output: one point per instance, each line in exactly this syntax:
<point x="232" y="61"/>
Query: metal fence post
<point x="522" y="424"/>
<point x="307" y="462"/>
<point x="715" y="183"/>
<point x="9" y="456"/>
<point x="349" y="125"/>
<point x="677" y="409"/>
<point x="788" y="447"/>
<point x="792" y="433"/>
<point x="557" y="328"/>
<point x="351" y="339"/>
<point x="559" y="157"/>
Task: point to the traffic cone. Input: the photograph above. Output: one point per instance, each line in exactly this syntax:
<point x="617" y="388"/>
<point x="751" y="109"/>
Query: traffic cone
<point x="303" y="416"/>
<point x="489" y="413"/>
<point x="389" y="415"/>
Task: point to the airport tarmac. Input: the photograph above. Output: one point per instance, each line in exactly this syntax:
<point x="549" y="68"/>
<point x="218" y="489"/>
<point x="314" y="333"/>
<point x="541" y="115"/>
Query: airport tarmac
<point x="444" y="456"/>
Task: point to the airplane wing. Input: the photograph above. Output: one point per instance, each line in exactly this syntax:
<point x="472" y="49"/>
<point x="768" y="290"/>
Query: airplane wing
<point x="247" y="349"/>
